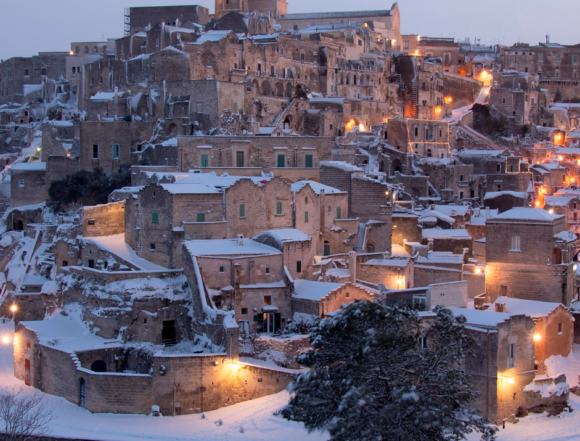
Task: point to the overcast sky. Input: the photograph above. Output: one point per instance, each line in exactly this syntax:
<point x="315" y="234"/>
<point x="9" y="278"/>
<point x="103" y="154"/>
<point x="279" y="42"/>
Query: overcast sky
<point x="50" y="25"/>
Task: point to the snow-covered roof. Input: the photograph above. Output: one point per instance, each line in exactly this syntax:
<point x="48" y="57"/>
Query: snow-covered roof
<point x="493" y="153"/>
<point x="481" y="318"/>
<point x="432" y="233"/>
<point x="286" y="235"/>
<point x="228" y="247"/>
<point x="460" y="210"/>
<point x="566" y="236"/>
<point x="388" y="262"/>
<point x="279" y="284"/>
<point x="559" y="201"/>
<point x="441" y="257"/>
<point x="342" y="165"/>
<point x="106" y="96"/>
<point x="429" y="215"/>
<point x="190" y="189"/>
<point x="214" y="180"/>
<point x="116" y="245"/>
<point x="479" y="219"/>
<point x="29" y="166"/>
<point x="527" y="214"/>
<point x="68" y="334"/>
<point x="316" y="186"/>
<point x="214" y="36"/>
<point x="309" y="290"/>
<point x="497" y="194"/>
<point x="532" y="308"/>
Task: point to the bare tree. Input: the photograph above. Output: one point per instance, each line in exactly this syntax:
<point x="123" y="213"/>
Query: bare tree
<point x="23" y="418"/>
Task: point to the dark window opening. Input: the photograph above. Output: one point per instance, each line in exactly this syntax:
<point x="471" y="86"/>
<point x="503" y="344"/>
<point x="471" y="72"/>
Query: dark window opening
<point x="99" y="366"/>
<point x="168" y="335"/>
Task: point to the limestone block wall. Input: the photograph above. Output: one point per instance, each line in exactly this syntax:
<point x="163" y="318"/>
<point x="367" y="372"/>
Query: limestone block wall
<point x="104" y="220"/>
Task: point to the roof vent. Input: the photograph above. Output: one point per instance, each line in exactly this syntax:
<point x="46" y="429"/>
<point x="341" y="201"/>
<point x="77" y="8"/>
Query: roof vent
<point x="500" y="307"/>
<point x="240" y="240"/>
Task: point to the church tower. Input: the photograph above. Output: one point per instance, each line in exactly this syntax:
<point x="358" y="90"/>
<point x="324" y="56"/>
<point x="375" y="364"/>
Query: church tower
<point x="223" y="7"/>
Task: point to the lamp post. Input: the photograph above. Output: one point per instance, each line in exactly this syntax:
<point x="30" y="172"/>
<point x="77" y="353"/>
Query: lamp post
<point x="14" y="308"/>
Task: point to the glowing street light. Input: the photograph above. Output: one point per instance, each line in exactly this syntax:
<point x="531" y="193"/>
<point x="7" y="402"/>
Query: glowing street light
<point x="511" y="381"/>
<point x="14" y="308"/>
<point x="6" y="340"/>
<point x="537" y="337"/>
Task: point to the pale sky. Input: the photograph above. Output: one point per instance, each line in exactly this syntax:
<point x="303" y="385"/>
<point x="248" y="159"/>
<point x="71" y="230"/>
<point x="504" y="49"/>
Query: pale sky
<point x="36" y="26"/>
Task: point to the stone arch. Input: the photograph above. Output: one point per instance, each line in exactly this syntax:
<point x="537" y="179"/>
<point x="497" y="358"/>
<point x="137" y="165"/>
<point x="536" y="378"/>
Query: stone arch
<point x="279" y="89"/>
<point x="288" y="120"/>
<point x="354" y="80"/>
<point x="256" y="86"/>
<point x="99" y="366"/>
<point x="396" y="166"/>
<point x="266" y="88"/>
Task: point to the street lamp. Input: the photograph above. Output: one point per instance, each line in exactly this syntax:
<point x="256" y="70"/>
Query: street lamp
<point x="13" y="308"/>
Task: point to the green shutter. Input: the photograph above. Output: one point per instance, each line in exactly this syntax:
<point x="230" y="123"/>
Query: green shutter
<point x="306" y="216"/>
<point x="242" y="210"/>
<point x="281" y="161"/>
<point x="278" y="208"/>
<point x="200" y="217"/>
<point x="155" y="218"/>
<point x="339" y="213"/>
<point x="204" y="160"/>
<point x="308" y="161"/>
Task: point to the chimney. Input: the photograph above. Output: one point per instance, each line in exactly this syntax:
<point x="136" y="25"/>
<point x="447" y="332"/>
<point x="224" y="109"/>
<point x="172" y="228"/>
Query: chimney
<point x="352" y="266"/>
<point x="487" y="212"/>
<point x="432" y="206"/>
<point x="500" y="307"/>
<point x="240" y="240"/>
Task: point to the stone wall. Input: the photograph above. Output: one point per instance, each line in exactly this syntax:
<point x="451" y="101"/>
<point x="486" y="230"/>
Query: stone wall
<point x="28" y="187"/>
<point x="104" y="220"/>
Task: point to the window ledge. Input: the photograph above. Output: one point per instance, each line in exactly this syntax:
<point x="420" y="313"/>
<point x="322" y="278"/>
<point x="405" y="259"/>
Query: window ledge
<point x="280" y="215"/>
<point x="515" y="251"/>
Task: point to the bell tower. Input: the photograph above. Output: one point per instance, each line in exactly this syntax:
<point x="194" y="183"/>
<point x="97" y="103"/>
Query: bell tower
<point x="223" y="7"/>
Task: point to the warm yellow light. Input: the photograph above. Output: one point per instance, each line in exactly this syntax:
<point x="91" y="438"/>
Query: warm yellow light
<point x="386" y="193"/>
<point x="71" y="53"/>
<point x="537" y="337"/>
<point x="578" y="161"/>
<point x="477" y="270"/>
<point x="361" y="127"/>
<point x="14" y="308"/>
<point x="38" y="149"/>
<point x="235" y="367"/>
<point x="418" y="38"/>
<point x="537" y="203"/>
<point x="560" y="158"/>
<point x="551" y="211"/>
<point x="449" y="100"/>
<point x="352" y="121"/>
<point x="544" y="191"/>
<point x="511" y="381"/>
<point x="572" y="179"/>
<point x="6" y="340"/>
<point x="438" y="109"/>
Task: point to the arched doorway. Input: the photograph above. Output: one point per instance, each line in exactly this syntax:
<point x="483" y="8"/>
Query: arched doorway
<point x="266" y="88"/>
<point x="82" y="392"/>
<point x="289" y="90"/>
<point x="19" y="225"/>
<point x="99" y="366"/>
<point x="396" y="166"/>
<point x="326" y="248"/>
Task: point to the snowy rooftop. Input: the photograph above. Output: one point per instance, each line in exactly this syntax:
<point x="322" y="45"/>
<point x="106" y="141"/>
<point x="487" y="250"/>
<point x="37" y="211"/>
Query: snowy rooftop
<point x="493" y="153"/>
<point x="481" y="318"/>
<point x="190" y="189"/>
<point x="567" y="236"/>
<point x="68" y="334"/>
<point x="316" y="186"/>
<point x="388" y="262"/>
<point x="29" y="166"/>
<point x="559" y="201"/>
<point x="433" y="215"/>
<point x="344" y="166"/>
<point x="532" y="308"/>
<point x="497" y="194"/>
<point x="116" y="245"/>
<point x="441" y="257"/>
<point x="228" y="247"/>
<point x="533" y="214"/>
<point x="448" y="210"/>
<point x="432" y="233"/>
<point x="308" y="290"/>
<point x="215" y="180"/>
<point x="286" y="235"/>
<point x="106" y="96"/>
<point x="482" y="216"/>
<point x="214" y="36"/>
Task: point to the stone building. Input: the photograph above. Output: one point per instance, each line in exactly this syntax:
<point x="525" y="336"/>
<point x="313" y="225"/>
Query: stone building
<point x="529" y="256"/>
<point x="445" y="49"/>
<point x="502" y="367"/>
<point x="144" y="18"/>
<point x="428" y="138"/>
<point x="28" y="184"/>
<point x="518" y="96"/>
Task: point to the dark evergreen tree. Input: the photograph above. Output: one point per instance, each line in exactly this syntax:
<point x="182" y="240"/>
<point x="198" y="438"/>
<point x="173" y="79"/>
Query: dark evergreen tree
<point x="378" y="373"/>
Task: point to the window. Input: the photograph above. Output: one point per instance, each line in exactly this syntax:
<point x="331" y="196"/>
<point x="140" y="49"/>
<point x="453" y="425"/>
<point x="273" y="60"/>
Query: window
<point x="540" y="57"/>
<point x="559" y="328"/>
<point x="64" y="263"/>
<point x="281" y="161"/>
<point x="204" y="160"/>
<point x="267" y="300"/>
<point x="244" y="311"/>
<point x="43" y="72"/>
<point x="416" y="132"/>
<point x="279" y="208"/>
<point x="306" y="217"/>
<point x="77" y="50"/>
<point x="515" y="243"/>
<point x="222" y="269"/>
<point x="298" y="266"/>
<point x="26" y="72"/>
<point x="200" y="217"/>
<point x="95" y="151"/>
<point x="151" y="247"/>
<point x="338" y="212"/>
<point x="511" y="355"/>
<point x="267" y="271"/>
<point x="308" y="160"/>
<point x="575" y="59"/>
<point x="91" y="222"/>
<point x="242" y="210"/>
<point x="91" y="263"/>
<point x="115" y="151"/>
<point x="423" y="342"/>
<point x="86" y="49"/>
<point x="499" y="167"/>
<point x="154" y="217"/>
<point x="239" y="159"/>
<point x="302" y="57"/>
<point x="557" y="58"/>
<point x="21" y="182"/>
<point x="209" y="62"/>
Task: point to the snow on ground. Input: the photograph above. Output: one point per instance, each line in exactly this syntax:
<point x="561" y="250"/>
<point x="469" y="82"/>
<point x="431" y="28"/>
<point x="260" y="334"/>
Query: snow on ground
<point x="256" y="417"/>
